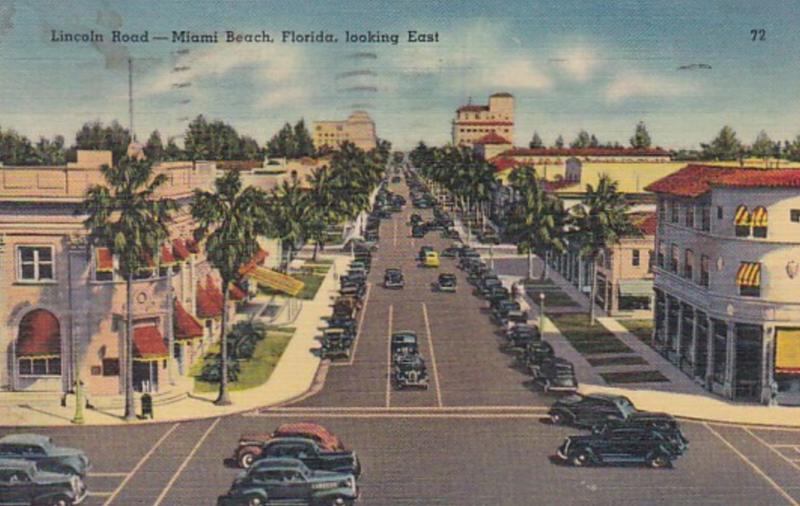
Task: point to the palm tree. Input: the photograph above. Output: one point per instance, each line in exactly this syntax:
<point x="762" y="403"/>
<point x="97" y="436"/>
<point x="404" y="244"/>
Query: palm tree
<point x="229" y="220"/>
<point x="286" y="209"/>
<point x="125" y="216"/>
<point x="601" y="221"/>
<point x="536" y="219"/>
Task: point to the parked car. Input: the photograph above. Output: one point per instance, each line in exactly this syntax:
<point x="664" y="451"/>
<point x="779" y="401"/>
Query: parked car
<point x="306" y="450"/>
<point x="348" y="324"/>
<point x="418" y="231"/>
<point x="250" y="445"/>
<point x="404" y="341"/>
<point x="47" y="456"/>
<point x="486" y="284"/>
<point x="590" y="410"/>
<point x="452" y="251"/>
<point x="497" y="294"/>
<point x="536" y="353"/>
<point x="620" y="446"/>
<point x="431" y="259"/>
<point x="499" y="313"/>
<point x="393" y="278"/>
<point x="290" y="480"/>
<point x="423" y="250"/>
<point x="23" y="483"/>
<point x="521" y="335"/>
<point x="663" y="423"/>
<point x="446" y="283"/>
<point x="410" y="372"/>
<point x="336" y="344"/>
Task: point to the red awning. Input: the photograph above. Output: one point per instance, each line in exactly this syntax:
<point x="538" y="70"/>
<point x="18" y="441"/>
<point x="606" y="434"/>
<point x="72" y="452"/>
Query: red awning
<point x="209" y="300"/>
<point x="186" y="325"/>
<point x="39" y="334"/>
<point x="104" y="259"/>
<point x="180" y="250"/>
<point x="166" y="256"/>
<point x="148" y="343"/>
<point x="254" y="262"/>
<point x="235" y="292"/>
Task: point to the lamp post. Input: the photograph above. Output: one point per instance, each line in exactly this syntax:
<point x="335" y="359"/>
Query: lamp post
<point x="491" y="256"/>
<point x="541" y="313"/>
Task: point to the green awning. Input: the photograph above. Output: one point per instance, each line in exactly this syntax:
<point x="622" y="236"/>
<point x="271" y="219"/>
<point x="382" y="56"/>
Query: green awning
<point x="636" y="287"/>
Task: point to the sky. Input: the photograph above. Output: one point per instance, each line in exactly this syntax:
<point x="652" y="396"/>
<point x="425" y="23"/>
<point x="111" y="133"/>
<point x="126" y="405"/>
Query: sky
<point x="572" y="64"/>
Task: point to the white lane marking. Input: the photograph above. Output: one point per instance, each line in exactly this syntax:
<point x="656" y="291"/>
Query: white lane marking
<point x="389" y="358"/>
<point x="309" y="409"/>
<point x="394" y="233"/>
<point x="433" y="355"/>
<point x="358" y="330"/>
<point x="104" y="475"/>
<point x="478" y="416"/>
<point x="140" y="463"/>
<point x="98" y="494"/>
<point x="757" y="469"/>
<point x="774" y="448"/>
<point x="185" y="463"/>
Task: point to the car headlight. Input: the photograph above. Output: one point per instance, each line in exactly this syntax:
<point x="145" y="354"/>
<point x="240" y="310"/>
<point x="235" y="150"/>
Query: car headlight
<point x="75" y="482"/>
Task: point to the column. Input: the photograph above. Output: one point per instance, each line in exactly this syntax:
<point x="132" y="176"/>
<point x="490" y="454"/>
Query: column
<point x="664" y="345"/>
<point x="767" y="367"/>
<point x="710" y="361"/>
<point x="694" y="344"/>
<point x="677" y="340"/>
<point x="5" y="338"/>
<point x="729" y="388"/>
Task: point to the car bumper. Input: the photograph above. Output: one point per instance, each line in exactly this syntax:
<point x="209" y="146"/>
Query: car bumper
<point x="561" y="455"/>
<point x="563" y="388"/>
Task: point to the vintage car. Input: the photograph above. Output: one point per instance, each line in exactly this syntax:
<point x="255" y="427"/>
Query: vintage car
<point x="535" y="353"/>
<point x="404" y="341"/>
<point x="476" y="271"/>
<point x="486" y="284"/>
<point x="431" y="259"/>
<point x="418" y="230"/>
<point x="521" y="335"/>
<point x="348" y="324"/>
<point x="46" y="455"/>
<point x="497" y="294"/>
<point x="360" y="265"/>
<point x="446" y="283"/>
<point x="353" y="290"/>
<point x="289" y="480"/>
<point x="311" y="454"/>
<point x="415" y="219"/>
<point x="23" y="483"/>
<point x="250" y="445"/>
<point x="434" y="226"/>
<point x="663" y="423"/>
<point x="409" y="372"/>
<point x="345" y="307"/>
<point x="353" y="276"/>
<point x="336" y="343"/>
<point x="516" y="316"/>
<point x="393" y="278"/>
<point x="423" y="250"/>
<point x="556" y="374"/>
<point x="590" y="410"/>
<point x="488" y="237"/>
<point x="451" y="251"/>
<point x="499" y="313"/>
<point x="631" y="445"/>
<point x="451" y="233"/>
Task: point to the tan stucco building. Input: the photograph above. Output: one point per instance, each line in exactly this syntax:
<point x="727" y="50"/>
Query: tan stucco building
<point x="474" y="121"/>
<point x="358" y="128"/>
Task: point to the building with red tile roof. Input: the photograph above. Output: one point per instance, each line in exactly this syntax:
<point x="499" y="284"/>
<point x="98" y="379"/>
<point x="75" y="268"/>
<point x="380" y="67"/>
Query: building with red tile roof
<point x="475" y="121"/>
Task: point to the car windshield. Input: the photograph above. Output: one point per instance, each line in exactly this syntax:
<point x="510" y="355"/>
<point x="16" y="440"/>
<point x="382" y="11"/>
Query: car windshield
<point x="626" y="407"/>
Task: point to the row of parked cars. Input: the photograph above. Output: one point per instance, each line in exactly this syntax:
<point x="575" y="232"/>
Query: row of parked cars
<point x="35" y="471"/>
<point x="300" y="463"/>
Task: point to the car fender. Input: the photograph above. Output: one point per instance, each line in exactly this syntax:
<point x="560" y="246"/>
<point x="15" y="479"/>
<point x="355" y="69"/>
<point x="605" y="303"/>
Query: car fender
<point x="595" y="459"/>
<point x="327" y="493"/>
<point x="251" y="491"/>
<point x="47" y="497"/>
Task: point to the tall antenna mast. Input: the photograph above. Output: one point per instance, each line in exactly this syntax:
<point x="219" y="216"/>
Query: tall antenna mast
<point x="130" y="98"/>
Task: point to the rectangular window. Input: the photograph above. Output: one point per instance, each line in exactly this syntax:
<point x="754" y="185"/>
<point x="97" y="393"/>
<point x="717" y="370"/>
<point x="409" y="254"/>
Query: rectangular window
<point x="688" y="264"/>
<point x="673" y="258"/>
<point x="635" y="260"/>
<point x="719" y="212"/>
<point x="673" y="212"/>
<point x="794" y="215"/>
<point x="650" y="261"/>
<point x="110" y="367"/>
<point x="705" y="224"/>
<point x="31" y="366"/>
<point x="704" y="276"/>
<point x="35" y="263"/>
<point x="689" y="216"/>
<point x="720" y="349"/>
<point x="662" y="254"/>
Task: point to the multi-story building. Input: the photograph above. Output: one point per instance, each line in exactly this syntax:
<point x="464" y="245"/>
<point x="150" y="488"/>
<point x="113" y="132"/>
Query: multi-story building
<point x="726" y="279"/>
<point x="474" y="121"/>
<point x="63" y="301"/>
<point x="358" y="128"/>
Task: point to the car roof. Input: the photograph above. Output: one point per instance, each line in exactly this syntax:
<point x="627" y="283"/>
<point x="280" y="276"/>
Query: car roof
<point x="400" y="333"/>
<point x="277" y="463"/>
<point x="647" y="415"/>
<point x="24" y="438"/>
<point x="16" y="464"/>
<point x="291" y="439"/>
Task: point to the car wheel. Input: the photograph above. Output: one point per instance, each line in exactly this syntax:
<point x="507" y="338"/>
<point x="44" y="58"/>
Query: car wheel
<point x="246" y="459"/>
<point x="559" y="418"/>
<point x="580" y="459"/>
<point x="255" y="500"/>
<point x="61" y="501"/>
<point x="341" y="501"/>
<point x="658" y="461"/>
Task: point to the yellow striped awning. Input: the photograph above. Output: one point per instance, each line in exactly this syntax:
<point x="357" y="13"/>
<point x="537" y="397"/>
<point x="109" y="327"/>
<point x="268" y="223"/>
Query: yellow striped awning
<point x="749" y="274"/>
<point x="759" y="217"/>
<point x="742" y="217"/>
<point x="787" y="351"/>
<point x="276" y="280"/>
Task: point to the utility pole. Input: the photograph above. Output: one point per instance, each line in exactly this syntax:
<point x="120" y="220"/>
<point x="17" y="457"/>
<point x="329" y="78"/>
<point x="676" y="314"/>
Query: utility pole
<point x="130" y="98"/>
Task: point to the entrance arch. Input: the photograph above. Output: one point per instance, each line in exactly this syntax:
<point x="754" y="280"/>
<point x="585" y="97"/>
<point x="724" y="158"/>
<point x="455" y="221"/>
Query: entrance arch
<point x="38" y="346"/>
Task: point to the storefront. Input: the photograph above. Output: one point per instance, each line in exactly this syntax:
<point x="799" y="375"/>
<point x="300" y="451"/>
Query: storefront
<point x="787" y="366"/>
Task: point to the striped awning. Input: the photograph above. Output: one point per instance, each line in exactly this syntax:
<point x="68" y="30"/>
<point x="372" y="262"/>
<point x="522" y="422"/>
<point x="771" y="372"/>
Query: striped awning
<point x="787" y="351"/>
<point x="749" y="274"/>
<point x="759" y="217"/>
<point x="742" y="217"/>
<point x="276" y="280"/>
<point x="104" y="261"/>
<point x="148" y="344"/>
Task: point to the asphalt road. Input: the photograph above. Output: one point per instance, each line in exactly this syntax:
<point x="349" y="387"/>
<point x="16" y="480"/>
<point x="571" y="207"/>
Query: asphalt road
<point x="476" y="437"/>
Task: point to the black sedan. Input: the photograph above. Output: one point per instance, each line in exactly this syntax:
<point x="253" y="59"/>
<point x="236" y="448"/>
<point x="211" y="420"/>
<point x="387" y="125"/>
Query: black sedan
<point x="590" y="410"/>
<point x="620" y="446"/>
<point x="393" y="278"/>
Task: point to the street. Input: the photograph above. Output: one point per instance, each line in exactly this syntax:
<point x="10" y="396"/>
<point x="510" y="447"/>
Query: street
<point x="478" y="435"/>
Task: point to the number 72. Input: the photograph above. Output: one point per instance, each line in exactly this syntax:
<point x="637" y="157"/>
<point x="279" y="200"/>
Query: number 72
<point x="758" y="34"/>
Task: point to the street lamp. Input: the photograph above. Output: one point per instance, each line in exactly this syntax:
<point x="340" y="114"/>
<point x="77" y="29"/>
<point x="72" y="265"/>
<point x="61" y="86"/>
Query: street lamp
<point x="541" y="313"/>
<point x="491" y="256"/>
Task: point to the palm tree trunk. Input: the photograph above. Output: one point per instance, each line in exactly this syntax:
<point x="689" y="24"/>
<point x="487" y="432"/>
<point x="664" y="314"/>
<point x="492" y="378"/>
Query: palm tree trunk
<point x="223" y="399"/>
<point x="592" y="293"/>
<point x="544" y="266"/>
<point x="130" y="408"/>
<point x="530" y="264"/>
<point x="316" y="246"/>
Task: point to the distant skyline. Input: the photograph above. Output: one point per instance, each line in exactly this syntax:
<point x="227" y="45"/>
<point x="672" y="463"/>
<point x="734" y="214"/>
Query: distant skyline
<point x="686" y="68"/>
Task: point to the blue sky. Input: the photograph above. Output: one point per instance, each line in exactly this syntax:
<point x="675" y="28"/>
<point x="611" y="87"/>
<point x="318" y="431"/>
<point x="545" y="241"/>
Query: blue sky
<point x="570" y="64"/>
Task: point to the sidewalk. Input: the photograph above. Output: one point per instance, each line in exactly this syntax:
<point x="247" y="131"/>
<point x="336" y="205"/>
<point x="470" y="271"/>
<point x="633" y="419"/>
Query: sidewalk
<point x="293" y="376"/>
<point x="680" y="396"/>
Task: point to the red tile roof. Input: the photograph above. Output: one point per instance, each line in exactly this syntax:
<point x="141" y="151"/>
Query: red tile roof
<point x="186" y="325"/>
<point x="502" y="163"/>
<point x="39" y="334"/>
<point x="254" y="262"/>
<point x="209" y="299"/>
<point x="472" y="108"/>
<point x="695" y="180"/>
<point x="646" y="222"/>
<point x="586" y="152"/>
<point x="559" y="184"/>
<point x="148" y="343"/>
<point x="492" y="138"/>
<point x="180" y="250"/>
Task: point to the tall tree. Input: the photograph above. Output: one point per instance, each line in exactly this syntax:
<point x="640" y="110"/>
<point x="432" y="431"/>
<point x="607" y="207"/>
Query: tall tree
<point x="725" y="146"/>
<point x="792" y="149"/>
<point x="601" y="221"/>
<point x="582" y="140"/>
<point x="762" y="147"/>
<point x="125" y="216"/>
<point x="154" y="148"/>
<point x="114" y="137"/>
<point x="173" y="152"/>
<point x="593" y="142"/>
<point x="303" y="144"/>
<point x="559" y="142"/>
<point x="287" y="205"/>
<point x="229" y="220"/>
<point x="536" y="141"/>
<point x="641" y="137"/>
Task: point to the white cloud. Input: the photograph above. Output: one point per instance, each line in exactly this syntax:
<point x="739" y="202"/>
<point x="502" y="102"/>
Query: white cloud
<point x="630" y="84"/>
<point x="283" y="96"/>
<point x="519" y="73"/>
<point x="578" y="63"/>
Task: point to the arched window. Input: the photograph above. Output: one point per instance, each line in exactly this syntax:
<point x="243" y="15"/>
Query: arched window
<point x="759" y="222"/>
<point x="742" y="221"/>
<point x="39" y="344"/>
